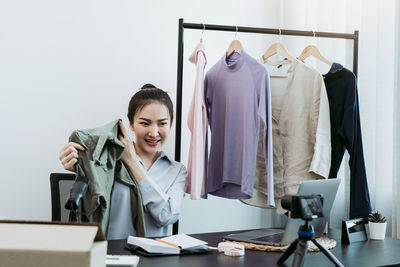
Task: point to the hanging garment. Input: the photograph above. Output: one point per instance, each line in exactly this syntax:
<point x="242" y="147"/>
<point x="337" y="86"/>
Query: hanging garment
<point x="301" y="132"/>
<point x="237" y="96"/>
<point x="197" y="123"/>
<point x="341" y="86"/>
<point x="100" y="162"/>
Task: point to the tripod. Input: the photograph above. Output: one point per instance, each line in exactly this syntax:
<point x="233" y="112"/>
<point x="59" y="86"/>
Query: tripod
<point x="74" y="215"/>
<point x="300" y="246"/>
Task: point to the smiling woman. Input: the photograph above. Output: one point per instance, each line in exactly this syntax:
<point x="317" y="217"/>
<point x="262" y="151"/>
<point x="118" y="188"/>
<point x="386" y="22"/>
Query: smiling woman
<point x="151" y="125"/>
<point x="160" y="180"/>
<point x="150" y="116"/>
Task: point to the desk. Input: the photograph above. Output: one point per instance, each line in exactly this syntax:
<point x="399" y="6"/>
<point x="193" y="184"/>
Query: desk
<point x="367" y="253"/>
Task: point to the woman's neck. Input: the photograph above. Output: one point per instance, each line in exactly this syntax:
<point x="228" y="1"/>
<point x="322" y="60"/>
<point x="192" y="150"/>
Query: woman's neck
<point x="147" y="158"/>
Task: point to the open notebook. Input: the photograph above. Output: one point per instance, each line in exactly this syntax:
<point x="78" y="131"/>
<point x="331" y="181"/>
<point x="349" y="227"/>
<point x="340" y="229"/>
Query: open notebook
<point x="174" y="244"/>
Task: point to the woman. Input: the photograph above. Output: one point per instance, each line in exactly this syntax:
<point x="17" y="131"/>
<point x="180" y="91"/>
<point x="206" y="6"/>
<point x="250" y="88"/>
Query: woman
<point x="160" y="179"/>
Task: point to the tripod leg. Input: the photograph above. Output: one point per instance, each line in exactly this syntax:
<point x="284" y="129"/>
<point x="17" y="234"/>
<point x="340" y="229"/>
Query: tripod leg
<point x="72" y="216"/>
<point x="288" y="252"/>
<point x="300" y="253"/>
<point x="327" y="253"/>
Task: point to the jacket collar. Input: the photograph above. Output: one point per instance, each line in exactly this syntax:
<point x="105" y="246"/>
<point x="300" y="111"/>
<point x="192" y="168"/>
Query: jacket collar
<point x="334" y="68"/>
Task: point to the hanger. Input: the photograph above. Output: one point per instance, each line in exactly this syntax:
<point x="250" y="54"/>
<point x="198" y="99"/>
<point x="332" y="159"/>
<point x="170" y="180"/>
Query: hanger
<point x="277" y="48"/>
<point x="204" y="28"/>
<point x="235" y="46"/>
<point x="280" y="49"/>
<point x="312" y="50"/>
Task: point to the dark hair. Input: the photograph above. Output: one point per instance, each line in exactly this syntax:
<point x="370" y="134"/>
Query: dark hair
<point x="149" y="94"/>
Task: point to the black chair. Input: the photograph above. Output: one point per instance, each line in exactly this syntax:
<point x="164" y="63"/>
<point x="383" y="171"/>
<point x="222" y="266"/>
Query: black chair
<point x="60" y="185"/>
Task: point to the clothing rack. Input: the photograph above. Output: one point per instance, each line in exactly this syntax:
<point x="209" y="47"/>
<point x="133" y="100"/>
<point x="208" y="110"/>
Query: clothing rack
<point x="200" y="26"/>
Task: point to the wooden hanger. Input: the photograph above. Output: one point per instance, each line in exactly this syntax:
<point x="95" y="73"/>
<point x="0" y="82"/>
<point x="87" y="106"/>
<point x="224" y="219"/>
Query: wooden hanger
<point x="235" y="46"/>
<point x="312" y="50"/>
<point x="277" y="49"/>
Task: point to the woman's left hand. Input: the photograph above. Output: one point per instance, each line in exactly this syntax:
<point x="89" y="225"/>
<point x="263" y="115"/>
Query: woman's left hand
<point x="129" y="154"/>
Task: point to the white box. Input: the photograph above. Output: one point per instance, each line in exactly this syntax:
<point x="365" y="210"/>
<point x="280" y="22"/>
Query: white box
<point x="45" y="244"/>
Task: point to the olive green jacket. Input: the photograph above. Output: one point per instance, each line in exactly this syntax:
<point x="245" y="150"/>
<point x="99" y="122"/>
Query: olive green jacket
<point x="101" y="163"/>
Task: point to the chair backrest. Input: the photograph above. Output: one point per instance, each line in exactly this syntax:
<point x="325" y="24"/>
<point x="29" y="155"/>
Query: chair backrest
<point x="60" y="185"/>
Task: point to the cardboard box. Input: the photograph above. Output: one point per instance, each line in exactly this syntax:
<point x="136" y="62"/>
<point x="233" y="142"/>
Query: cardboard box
<point x="42" y="244"/>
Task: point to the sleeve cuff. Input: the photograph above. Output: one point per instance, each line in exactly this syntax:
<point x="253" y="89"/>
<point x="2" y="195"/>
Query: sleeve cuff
<point x="321" y="161"/>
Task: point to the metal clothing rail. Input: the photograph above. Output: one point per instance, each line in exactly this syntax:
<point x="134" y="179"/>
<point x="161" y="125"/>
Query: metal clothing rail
<point x="200" y="26"/>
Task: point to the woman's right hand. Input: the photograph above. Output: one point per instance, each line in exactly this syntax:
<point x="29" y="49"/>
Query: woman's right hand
<point x="129" y="154"/>
<point x="69" y="155"/>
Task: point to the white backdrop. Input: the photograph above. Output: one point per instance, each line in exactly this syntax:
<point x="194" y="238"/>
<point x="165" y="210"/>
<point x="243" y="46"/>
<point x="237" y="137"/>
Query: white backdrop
<point x="396" y="172"/>
<point x="75" y="64"/>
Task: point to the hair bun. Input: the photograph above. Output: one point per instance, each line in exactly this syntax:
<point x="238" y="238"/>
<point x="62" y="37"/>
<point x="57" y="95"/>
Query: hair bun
<point x="148" y="85"/>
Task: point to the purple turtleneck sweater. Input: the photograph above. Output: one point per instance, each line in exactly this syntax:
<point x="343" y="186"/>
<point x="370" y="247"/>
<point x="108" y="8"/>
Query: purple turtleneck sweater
<point x="237" y="96"/>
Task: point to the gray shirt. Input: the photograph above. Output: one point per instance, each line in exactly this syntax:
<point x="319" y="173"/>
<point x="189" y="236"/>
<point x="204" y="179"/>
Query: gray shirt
<point x="162" y="194"/>
<point x="237" y="96"/>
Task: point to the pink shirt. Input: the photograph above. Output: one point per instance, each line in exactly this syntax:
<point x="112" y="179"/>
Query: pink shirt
<point x="197" y="123"/>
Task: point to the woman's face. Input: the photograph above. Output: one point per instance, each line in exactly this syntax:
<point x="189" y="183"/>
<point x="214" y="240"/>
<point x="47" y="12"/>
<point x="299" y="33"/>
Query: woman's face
<point x="151" y="125"/>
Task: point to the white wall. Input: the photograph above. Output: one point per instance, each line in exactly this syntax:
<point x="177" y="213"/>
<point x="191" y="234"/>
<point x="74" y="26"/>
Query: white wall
<point x="66" y="65"/>
<point x="70" y="65"/>
<point x="396" y="139"/>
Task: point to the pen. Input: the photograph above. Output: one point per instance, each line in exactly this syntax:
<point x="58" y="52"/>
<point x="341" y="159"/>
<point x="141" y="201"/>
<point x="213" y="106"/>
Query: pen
<point x="168" y="243"/>
<point x="112" y="258"/>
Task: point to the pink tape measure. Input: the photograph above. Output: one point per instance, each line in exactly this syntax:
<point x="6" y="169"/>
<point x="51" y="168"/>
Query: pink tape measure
<point x="231" y="249"/>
